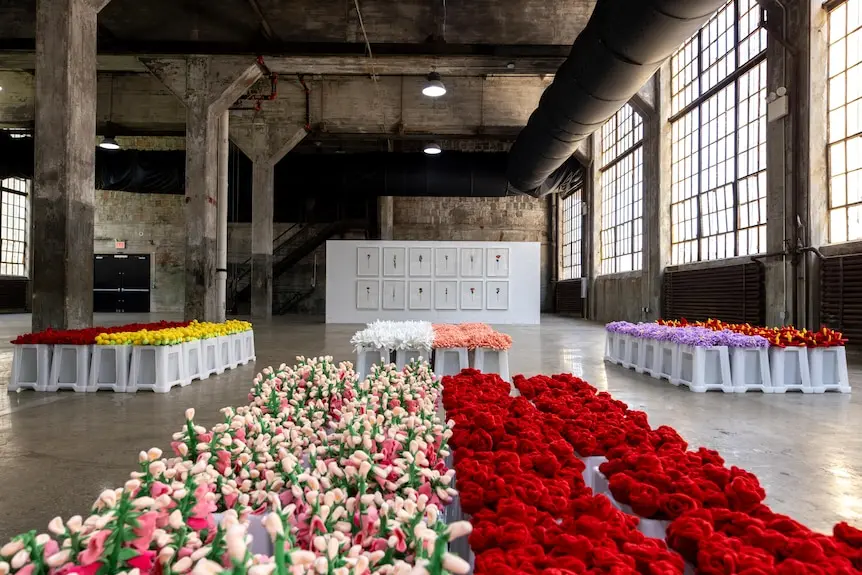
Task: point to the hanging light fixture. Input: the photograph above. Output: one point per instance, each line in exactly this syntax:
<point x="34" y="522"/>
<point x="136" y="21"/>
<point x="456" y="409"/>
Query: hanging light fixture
<point x="109" y="143"/>
<point x="433" y="149"/>
<point x="434" y="87"/>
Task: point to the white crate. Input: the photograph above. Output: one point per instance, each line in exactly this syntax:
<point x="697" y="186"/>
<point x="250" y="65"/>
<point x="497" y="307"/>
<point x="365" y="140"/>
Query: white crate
<point x="31" y="366"/>
<point x="649" y="357"/>
<point x="109" y="368"/>
<point x="406" y="356"/>
<point x="789" y="369"/>
<point x="369" y="356"/>
<point x="211" y="358"/>
<point x="749" y="370"/>
<point x="610" y="346"/>
<point x="225" y="352"/>
<point x="70" y="368"/>
<point x="828" y="367"/>
<point x="450" y="360"/>
<point x="156" y="368"/>
<point x="621" y="346"/>
<point x="703" y="369"/>
<point x="237" y="349"/>
<point x="248" y="345"/>
<point x="489" y="360"/>
<point x="632" y="352"/>
<point x="194" y="360"/>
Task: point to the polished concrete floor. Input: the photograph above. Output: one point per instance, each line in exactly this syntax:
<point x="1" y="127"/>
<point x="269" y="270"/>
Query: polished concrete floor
<point x="59" y="450"/>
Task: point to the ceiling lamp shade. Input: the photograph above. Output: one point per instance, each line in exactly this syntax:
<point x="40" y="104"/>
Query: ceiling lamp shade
<point x="109" y="143"/>
<point x="433" y="149"/>
<point x="434" y="87"/>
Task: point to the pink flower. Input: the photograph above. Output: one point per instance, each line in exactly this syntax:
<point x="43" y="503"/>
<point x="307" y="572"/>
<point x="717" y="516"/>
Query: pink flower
<point x="95" y="547"/>
<point x="205" y="437"/>
<point x="202" y="511"/>
<point x="26" y="570"/>
<point x="158" y="488"/>
<point x="70" y="568"/>
<point x="144" y="531"/>
<point x="50" y="548"/>
<point x="175" y="445"/>
<point x="223" y="462"/>
<point x="144" y="561"/>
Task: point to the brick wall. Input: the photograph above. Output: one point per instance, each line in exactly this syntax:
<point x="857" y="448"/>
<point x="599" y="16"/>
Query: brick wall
<point x="509" y="219"/>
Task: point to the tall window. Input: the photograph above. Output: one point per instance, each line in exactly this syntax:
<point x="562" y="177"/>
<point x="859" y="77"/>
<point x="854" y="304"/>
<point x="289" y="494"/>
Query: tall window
<point x="622" y="192"/>
<point x="572" y="219"/>
<point x="845" y="122"/>
<point x="718" y="102"/>
<point x="13" y="226"/>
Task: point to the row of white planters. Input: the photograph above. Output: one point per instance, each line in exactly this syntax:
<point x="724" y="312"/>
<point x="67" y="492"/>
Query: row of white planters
<point x="127" y="368"/>
<point x="447" y="361"/>
<point x="772" y="370"/>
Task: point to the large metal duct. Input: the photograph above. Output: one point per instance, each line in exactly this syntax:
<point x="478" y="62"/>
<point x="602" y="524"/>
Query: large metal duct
<point x="623" y="44"/>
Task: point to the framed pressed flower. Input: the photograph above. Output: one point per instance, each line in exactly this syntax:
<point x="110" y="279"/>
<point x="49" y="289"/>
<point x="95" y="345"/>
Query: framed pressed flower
<point x="446" y="262"/>
<point x="497" y="264"/>
<point x="367" y="261"/>
<point x="446" y="295"/>
<point x="393" y="294"/>
<point x="471" y="262"/>
<point x="420" y="262"/>
<point x="420" y="295"/>
<point x="472" y="295"/>
<point x="497" y="295"/>
<point x="394" y="264"/>
<point x="367" y="294"/>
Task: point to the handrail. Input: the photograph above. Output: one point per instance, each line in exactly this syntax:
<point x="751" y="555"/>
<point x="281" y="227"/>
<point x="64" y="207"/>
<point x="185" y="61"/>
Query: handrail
<point x="246" y="265"/>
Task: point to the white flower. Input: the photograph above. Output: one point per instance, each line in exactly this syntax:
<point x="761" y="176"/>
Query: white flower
<point x="20" y="559"/>
<point x="58" y="559"/>
<point x="454" y="564"/>
<point x="235" y="540"/>
<point x="190" y="414"/>
<point x="182" y="565"/>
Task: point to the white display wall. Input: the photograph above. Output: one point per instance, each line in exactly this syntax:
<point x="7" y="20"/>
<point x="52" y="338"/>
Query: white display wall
<point x="444" y="282"/>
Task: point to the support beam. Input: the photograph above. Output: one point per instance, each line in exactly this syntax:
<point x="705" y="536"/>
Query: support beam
<point x="64" y="190"/>
<point x="386" y="217"/>
<point x="207" y="86"/>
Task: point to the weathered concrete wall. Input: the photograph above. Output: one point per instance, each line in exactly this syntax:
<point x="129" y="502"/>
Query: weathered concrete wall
<point x="509" y="219"/>
<point x="617" y="297"/>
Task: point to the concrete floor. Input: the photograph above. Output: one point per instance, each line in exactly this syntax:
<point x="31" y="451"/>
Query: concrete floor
<point x="59" y="450"/>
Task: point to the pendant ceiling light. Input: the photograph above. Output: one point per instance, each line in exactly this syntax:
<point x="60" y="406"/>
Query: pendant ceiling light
<point x="433" y="149"/>
<point x="434" y="87"/>
<point x="109" y="143"/>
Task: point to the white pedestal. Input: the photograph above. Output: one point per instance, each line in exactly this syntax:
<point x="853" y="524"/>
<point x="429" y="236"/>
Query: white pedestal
<point x="450" y="360"/>
<point x="31" y="367"/>
<point x="70" y="368"/>
<point x="211" y="357"/>
<point x="632" y="352"/>
<point x="156" y="368"/>
<point x="489" y="360"/>
<point x="248" y="345"/>
<point x="591" y="469"/>
<point x="225" y="352"/>
<point x="238" y="354"/>
<point x="749" y="370"/>
<point x="367" y="357"/>
<point x="667" y="361"/>
<point x="649" y="357"/>
<point x="789" y="369"/>
<point x="406" y="356"/>
<point x="703" y="369"/>
<point x="621" y="346"/>
<point x="828" y="366"/>
<point x="194" y="363"/>
<point x="109" y="368"/>
<point x="610" y="346"/>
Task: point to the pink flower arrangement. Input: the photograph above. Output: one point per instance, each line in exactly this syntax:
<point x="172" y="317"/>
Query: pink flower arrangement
<point x="471" y="336"/>
<point x="346" y="477"/>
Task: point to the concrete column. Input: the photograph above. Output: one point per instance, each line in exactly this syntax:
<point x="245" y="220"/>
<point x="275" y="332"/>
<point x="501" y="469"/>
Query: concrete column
<point x="262" y="209"/>
<point x="386" y="217"/>
<point x="208" y="86"/>
<point x="266" y="143"/>
<point x="221" y="227"/>
<point x="64" y="178"/>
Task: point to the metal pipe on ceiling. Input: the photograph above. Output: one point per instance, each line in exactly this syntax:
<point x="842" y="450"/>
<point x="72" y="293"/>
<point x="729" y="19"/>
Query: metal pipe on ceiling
<point x="622" y="46"/>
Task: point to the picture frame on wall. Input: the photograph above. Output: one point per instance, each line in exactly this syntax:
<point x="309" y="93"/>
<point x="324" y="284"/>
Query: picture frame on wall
<point x="420" y="295"/>
<point x="420" y="262"/>
<point x="394" y="262"/>
<point x="367" y="261"/>
<point x="472" y="293"/>
<point x="471" y="262"/>
<point x="497" y="296"/>
<point x="446" y="295"/>
<point x="367" y="294"/>
<point x="446" y="262"/>
<point x="497" y="264"/>
<point x="393" y="294"/>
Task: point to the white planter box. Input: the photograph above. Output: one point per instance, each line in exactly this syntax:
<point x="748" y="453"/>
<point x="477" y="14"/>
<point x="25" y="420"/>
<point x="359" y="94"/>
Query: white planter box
<point x="211" y="357"/>
<point x="450" y="360"/>
<point x="703" y="369"/>
<point x="31" y="366"/>
<point x="248" y="345"/>
<point x="109" y="368"/>
<point x="406" y="356"/>
<point x="157" y="368"/>
<point x="632" y="352"/>
<point x="749" y="370"/>
<point x="621" y="346"/>
<point x="70" y="368"/>
<point x="789" y="369"/>
<point x="237" y="349"/>
<point x="591" y="469"/>
<point x="194" y="361"/>
<point x="649" y="357"/>
<point x="828" y="366"/>
<point x="225" y="352"/>
<point x="610" y="346"/>
<point x="666" y="362"/>
<point x="489" y="360"/>
<point x="367" y="357"/>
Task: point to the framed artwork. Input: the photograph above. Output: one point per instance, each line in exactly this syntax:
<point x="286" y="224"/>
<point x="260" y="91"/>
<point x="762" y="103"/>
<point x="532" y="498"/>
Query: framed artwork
<point x="393" y="294"/>
<point x="497" y="296"/>
<point x="420" y="262"/>
<point x="446" y="295"/>
<point x="367" y="262"/>
<point x="394" y="262"/>
<point x="471" y="295"/>
<point x="420" y="295"/>
<point x="446" y="262"/>
<point x="471" y="262"/>
<point x="497" y="265"/>
<point x="367" y="294"/>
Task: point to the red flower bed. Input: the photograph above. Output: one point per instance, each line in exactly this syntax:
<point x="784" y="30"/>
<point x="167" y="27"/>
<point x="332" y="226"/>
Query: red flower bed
<point x="87" y="336"/>
<point x="521" y="482"/>
<point x="718" y="520"/>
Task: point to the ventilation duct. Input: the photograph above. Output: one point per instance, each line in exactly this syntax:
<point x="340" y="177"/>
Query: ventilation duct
<point x="622" y="46"/>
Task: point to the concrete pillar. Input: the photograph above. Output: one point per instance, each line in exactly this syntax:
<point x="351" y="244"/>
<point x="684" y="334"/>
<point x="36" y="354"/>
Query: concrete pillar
<point x="386" y="217"/>
<point x="64" y="178"/>
<point x="208" y="86"/>
<point x="221" y="224"/>
<point x="266" y="144"/>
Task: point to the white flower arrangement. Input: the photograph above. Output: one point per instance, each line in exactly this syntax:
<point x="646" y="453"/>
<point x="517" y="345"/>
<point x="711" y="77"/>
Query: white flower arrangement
<point x="412" y="335"/>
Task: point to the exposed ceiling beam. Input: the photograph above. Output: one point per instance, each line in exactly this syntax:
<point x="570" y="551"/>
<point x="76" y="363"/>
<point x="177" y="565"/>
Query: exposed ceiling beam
<point x="269" y="34"/>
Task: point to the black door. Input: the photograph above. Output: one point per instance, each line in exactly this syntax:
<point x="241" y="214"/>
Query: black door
<point x="121" y="283"/>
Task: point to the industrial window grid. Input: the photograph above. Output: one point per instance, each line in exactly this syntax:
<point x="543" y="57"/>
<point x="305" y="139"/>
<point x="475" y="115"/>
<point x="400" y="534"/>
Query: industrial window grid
<point x="14" y="222"/>
<point x="718" y="127"/>
<point x="845" y="122"/>
<point x="572" y="235"/>
<point x="622" y="192"/>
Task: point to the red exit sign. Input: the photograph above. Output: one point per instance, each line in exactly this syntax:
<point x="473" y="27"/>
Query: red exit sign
<point x="120" y="244"/>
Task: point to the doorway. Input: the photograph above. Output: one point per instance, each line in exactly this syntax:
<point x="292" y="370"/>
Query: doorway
<point x="121" y="283"/>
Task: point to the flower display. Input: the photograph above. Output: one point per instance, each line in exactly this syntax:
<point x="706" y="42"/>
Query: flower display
<point x="347" y="477"/>
<point x="787" y="336"/>
<point x="175" y="335"/>
<point x="416" y="335"/>
<point x="718" y="521"/>
<point x="470" y="335"/>
<point x="88" y="336"/>
<point x="688" y="335"/>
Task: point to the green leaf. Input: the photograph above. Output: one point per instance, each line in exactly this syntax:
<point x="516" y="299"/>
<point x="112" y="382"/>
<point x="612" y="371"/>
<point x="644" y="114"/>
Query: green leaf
<point x="127" y="553"/>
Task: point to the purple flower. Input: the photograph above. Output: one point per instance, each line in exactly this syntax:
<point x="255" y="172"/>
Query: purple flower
<point x="689" y="335"/>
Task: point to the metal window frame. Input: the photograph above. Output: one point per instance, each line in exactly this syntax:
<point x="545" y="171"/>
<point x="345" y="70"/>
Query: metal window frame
<point x="26" y="242"/>
<point x="575" y="226"/>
